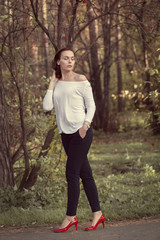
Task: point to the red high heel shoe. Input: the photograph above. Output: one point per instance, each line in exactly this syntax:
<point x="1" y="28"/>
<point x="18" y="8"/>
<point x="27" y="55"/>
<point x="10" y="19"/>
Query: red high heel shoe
<point x="101" y="219"/>
<point x="73" y="222"/>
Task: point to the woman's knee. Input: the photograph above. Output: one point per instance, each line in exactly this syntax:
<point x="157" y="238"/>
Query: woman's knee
<point x="72" y="177"/>
<point x="86" y="176"/>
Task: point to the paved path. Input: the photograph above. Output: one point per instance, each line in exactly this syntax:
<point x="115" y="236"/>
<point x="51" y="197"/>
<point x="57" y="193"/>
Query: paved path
<point x="148" y="229"/>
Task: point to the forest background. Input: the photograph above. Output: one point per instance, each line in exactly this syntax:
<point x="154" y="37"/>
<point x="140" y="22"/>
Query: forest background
<point x="116" y="43"/>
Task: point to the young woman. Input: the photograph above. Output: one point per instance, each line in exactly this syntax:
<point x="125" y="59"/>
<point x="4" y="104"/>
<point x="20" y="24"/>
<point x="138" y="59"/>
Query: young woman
<point x="71" y="96"/>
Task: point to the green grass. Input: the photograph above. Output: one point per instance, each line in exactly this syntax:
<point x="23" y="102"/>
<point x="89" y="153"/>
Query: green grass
<point x="127" y="171"/>
<point x="126" y="167"/>
<point x="121" y="153"/>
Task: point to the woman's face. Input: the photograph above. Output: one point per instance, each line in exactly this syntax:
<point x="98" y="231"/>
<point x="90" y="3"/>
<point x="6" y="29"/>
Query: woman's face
<point x="67" y="60"/>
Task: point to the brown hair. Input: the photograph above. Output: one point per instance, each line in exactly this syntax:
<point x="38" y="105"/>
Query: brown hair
<point x="57" y="57"/>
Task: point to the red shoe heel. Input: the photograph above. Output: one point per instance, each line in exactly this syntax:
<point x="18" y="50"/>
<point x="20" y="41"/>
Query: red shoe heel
<point x="73" y="222"/>
<point x="101" y="220"/>
<point x="103" y="223"/>
<point x="76" y="226"/>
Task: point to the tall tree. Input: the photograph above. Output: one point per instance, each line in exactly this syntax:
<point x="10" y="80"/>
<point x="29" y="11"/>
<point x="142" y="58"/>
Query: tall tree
<point x="6" y="169"/>
<point x="95" y="69"/>
<point x="119" y="59"/>
<point x="46" y="44"/>
<point x="107" y="31"/>
<point x="60" y="24"/>
<point x="148" y="20"/>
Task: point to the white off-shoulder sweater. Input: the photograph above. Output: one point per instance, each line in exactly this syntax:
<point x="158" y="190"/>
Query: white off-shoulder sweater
<point x="73" y="103"/>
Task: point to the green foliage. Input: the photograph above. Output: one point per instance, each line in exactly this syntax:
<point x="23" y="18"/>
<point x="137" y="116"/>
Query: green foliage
<point x="128" y="121"/>
<point x="137" y="195"/>
<point x="152" y="99"/>
<point x="30" y="216"/>
<point x="10" y="197"/>
<point x="41" y="123"/>
<point x="48" y="190"/>
<point x="126" y="169"/>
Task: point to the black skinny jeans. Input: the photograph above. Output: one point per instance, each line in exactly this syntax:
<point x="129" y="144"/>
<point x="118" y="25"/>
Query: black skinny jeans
<point x="78" y="167"/>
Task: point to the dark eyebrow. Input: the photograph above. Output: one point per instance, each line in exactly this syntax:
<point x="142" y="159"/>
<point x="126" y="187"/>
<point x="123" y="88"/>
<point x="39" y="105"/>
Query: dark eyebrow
<point x="68" y="56"/>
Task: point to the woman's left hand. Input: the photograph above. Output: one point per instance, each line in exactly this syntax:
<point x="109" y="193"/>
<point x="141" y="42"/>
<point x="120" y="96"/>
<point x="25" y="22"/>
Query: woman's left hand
<point x="82" y="131"/>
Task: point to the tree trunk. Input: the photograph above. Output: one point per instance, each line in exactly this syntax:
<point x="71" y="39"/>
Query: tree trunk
<point x="119" y="60"/>
<point x="106" y="25"/>
<point x="71" y="25"/>
<point x="46" y="45"/>
<point x="35" y="66"/>
<point x="32" y="178"/>
<point x="155" y="125"/>
<point x="95" y="71"/>
<point x="6" y="170"/>
<point x="59" y="24"/>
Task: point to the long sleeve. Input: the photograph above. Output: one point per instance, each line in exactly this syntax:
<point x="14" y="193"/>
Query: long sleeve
<point x="70" y="99"/>
<point x="89" y="103"/>
<point x="48" y="101"/>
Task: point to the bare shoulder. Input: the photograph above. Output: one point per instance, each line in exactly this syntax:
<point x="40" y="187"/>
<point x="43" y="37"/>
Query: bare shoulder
<point x="80" y="77"/>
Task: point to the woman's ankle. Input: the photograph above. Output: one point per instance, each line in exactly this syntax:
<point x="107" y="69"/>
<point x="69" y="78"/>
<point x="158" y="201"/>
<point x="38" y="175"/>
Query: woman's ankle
<point x="98" y="213"/>
<point x="70" y="218"/>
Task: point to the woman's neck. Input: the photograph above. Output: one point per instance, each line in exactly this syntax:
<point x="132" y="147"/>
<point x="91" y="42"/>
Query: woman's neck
<point x="67" y="76"/>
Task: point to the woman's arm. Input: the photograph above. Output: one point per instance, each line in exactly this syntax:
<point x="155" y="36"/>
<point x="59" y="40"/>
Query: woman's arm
<point x="48" y="99"/>
<point x="52" y="82"/>
<point x="90" y="106"/>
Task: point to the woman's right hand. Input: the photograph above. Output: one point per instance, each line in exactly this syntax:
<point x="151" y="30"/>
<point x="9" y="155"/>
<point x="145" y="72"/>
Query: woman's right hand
<point x="53" y="81"/>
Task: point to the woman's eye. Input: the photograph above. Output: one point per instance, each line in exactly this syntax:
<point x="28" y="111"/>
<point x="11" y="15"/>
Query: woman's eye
<point x="72" y="59"/>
